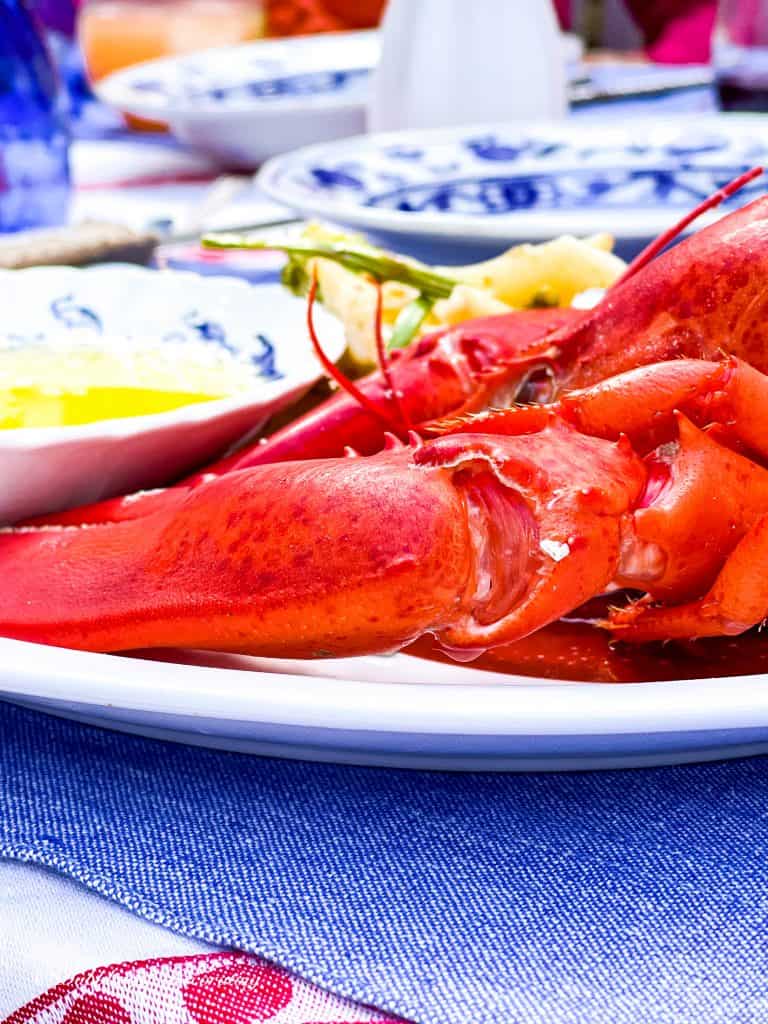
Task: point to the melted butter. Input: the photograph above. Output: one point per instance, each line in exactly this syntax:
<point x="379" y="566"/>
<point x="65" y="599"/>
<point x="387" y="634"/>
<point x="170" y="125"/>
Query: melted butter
<point x="33" y="407"/>
<point x="69" y="383"/>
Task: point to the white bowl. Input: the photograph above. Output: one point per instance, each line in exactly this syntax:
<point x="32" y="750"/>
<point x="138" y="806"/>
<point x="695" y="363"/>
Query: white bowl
<point x="245" y="103"/>
<point x="46" y="469"/>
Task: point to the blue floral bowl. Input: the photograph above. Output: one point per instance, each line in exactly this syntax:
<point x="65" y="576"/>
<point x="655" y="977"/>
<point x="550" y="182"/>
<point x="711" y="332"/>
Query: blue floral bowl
<point x="262" y="327"/>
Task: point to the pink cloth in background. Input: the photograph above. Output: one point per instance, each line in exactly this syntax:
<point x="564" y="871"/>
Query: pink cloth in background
<point x="675" y="31"/>
<point x="563" y="11"/>
<point x="214" y="988"/>
<point x="748" y="23"/>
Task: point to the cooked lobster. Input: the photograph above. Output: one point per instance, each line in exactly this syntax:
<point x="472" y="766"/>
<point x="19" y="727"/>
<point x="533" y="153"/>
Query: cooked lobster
<point x="479" y="537"/>
<point x="645" y="469"/>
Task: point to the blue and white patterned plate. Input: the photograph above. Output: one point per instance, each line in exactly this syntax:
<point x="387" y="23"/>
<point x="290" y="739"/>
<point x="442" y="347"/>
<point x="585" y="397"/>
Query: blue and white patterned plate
<point x="461" y="193"/>
<point x="115" y="306"/>
<point x="318" y="69"/>
<point x="243" y="104"/>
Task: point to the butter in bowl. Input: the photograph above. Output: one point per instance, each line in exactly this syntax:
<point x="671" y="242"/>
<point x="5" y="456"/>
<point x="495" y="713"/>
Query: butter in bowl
<point x="116" y="378"/>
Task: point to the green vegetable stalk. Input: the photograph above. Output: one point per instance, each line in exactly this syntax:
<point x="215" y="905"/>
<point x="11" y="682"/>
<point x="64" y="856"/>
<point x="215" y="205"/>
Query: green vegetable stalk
<point x="359" y="259"/>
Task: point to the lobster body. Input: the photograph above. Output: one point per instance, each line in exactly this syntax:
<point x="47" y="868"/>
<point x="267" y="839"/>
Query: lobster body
<point x="651" y="475"/>
<point x="705" y="296"/>
<point x="479" y="537"/>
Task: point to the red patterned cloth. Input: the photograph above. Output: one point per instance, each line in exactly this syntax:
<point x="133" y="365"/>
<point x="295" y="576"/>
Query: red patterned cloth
<point x="219" y="988"/>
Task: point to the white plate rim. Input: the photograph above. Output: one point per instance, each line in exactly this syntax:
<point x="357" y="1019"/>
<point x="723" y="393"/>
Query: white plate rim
<point x="116" y="89"/>
<point x="539" y="225"/>
<point x="510" y="705"/>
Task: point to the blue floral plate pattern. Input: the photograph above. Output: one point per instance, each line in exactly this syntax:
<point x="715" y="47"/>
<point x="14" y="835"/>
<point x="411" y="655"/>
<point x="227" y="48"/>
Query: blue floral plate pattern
<point x="322" y="70"/>
<point x="487" y="186"/>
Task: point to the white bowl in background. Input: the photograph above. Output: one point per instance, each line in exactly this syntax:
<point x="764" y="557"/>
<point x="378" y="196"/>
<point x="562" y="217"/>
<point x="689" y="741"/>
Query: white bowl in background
<point x="244" y="103"/>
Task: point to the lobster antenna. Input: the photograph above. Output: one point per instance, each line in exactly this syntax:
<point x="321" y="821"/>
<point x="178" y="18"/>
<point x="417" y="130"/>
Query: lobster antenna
<point x="664" y="239"/>
<point x="334" y="372"/>
<point x="384" y="363"/>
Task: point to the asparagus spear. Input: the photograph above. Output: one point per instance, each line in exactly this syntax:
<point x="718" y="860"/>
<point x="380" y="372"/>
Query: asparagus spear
<point x="357" y="258"/>
<point x="409" y="320"/>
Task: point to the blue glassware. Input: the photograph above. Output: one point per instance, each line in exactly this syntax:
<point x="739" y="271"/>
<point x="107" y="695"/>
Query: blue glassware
<point x="34" y="169"/>
<point x="57" y="16"/>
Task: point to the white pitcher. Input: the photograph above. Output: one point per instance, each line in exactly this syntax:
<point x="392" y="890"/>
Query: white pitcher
<point x="450" y="62"/>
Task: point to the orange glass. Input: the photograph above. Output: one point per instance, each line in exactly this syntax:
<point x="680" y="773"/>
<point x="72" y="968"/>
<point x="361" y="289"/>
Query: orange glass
<point x="117" y="33"/>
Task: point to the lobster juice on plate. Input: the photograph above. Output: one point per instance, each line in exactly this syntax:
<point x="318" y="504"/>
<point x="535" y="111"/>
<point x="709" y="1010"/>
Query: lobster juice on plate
<point x="64" y="382"/>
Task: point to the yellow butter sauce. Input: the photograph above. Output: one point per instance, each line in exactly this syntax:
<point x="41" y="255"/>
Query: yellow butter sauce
<point x="67" y="384"/>
<point x="34" y="407"/>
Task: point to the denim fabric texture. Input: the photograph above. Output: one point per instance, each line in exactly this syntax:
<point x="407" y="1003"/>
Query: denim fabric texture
<point x="627" y="897"/>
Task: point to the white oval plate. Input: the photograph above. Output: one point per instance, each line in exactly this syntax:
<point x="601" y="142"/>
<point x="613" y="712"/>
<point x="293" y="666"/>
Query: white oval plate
<point x="44" y="469"/>
<point x="442" y="194"/>
<point x="396" y="711"/>
<point x="245" y="103"/>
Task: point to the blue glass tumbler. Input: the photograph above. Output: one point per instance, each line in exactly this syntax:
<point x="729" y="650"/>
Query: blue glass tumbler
<point x="34" y="168"/>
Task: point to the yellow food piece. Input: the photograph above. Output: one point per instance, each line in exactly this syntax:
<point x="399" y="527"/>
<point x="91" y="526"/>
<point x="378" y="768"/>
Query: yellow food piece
<point x="352" y="298"/>
<point x="551" y="273"/>
<point x="467" y="303"/>
<point x="66" y="384"/>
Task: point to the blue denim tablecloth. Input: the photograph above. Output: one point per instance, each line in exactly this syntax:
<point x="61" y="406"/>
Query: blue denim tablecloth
<point x="636" y="897"/>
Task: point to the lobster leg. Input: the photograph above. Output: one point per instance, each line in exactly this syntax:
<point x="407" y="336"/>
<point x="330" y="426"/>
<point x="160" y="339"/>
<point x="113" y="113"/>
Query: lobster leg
<point x="731" y="394"/>
<point x="737" y="601"/>
<point x="641" y="404"/>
